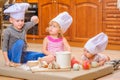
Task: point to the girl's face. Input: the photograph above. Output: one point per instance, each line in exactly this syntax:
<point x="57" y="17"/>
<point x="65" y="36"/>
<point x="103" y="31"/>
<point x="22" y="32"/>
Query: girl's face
<point x="18" y="24"/>
<point x="88" y="54"/>
<point x="54" y="28"/>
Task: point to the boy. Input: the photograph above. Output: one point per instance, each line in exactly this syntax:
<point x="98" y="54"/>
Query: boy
<point x="14" y="37"/>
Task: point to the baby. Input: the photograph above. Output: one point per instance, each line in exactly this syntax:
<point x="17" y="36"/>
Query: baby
<point x="93" y="49"/>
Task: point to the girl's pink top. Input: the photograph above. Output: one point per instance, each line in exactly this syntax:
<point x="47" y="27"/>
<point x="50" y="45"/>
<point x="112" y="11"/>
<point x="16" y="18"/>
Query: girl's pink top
<point x="55" y="45"/>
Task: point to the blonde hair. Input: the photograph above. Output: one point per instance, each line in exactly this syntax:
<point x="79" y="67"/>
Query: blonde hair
<point x="60" y="34"/>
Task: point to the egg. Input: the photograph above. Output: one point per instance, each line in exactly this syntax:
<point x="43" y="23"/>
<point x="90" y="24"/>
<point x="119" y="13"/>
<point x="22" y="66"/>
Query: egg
<point x="94" y="64"/>
<point x="76" y="67"/>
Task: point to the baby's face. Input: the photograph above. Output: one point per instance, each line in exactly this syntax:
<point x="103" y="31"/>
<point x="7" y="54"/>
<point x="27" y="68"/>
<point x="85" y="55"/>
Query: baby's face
<point x="18" y="24"/>
<point x="87" y="53"/>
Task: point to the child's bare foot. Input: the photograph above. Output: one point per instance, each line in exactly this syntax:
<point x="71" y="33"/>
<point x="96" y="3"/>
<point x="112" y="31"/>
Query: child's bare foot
<point x="33" y="63"/>
<point x="12" y="64"/>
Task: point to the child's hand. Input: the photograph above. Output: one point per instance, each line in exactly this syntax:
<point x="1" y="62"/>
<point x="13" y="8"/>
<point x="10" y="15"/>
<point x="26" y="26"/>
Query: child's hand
<point x="35" y="19"/>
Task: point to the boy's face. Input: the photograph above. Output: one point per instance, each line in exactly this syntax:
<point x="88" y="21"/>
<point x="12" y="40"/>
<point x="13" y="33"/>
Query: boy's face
<point x="18" y="24"/>
<point x="87" y="53"/>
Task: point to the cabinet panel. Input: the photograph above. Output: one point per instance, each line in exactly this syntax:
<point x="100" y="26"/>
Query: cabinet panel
<point x="87" y="19"/>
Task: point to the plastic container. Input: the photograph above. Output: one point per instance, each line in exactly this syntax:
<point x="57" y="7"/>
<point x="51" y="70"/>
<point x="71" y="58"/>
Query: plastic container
<point x="63" y="58"/>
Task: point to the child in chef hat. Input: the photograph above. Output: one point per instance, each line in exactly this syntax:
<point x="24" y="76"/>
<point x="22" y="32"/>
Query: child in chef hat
<point x="93" y="49"/>
<point x="55" y="41"/>
<point x="14" y="36"/>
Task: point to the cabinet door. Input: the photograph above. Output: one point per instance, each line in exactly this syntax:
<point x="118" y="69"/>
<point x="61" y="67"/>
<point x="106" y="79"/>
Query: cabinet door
<point x="87" y="19"/>
<point x="48" y="9"/>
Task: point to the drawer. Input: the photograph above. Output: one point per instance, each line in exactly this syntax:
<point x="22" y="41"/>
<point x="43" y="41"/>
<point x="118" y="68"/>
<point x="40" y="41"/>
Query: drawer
<point x="112" y="15"/>
<point x="112" y="28"/>
<point x="112" y="31"/>
<point x="115" y="35"/>
<point x="110" y="4"/>
<point x="114" y="40"/>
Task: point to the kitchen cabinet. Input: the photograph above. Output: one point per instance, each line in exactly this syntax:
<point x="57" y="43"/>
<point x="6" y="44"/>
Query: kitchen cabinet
<point x="87" y="16"/>
<point x="111" y="21"/>
<point x="90" y="17"/>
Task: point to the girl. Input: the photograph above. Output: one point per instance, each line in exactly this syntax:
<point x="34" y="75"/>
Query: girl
<point x="55" y="41"/>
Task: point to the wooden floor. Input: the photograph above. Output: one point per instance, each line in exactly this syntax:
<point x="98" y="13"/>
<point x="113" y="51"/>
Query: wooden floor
<point x="113" y="76"/>
<point x="112" y="53"/>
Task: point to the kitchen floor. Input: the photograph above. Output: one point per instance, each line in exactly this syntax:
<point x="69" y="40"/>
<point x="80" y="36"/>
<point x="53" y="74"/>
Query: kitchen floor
<point x="113" y="54"/>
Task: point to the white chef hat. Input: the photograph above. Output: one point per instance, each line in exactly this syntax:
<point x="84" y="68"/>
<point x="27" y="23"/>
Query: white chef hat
<point x="97" y="44"/>
<point x="64" y="19"/>
<point x="17" y="10"/>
